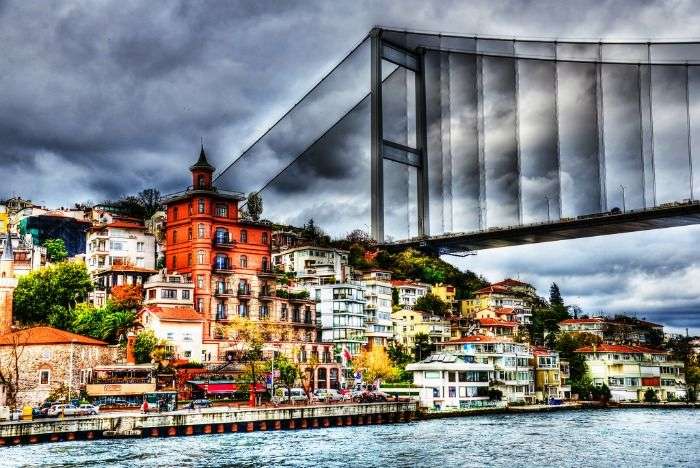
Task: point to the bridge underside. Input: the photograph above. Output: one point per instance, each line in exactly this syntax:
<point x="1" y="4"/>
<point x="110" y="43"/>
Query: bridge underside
<point x="602" y="225"/>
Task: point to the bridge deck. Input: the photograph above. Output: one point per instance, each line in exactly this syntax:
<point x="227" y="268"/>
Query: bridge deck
<point x="602" y="224"/>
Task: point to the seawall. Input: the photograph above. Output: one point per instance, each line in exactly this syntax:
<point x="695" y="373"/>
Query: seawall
<point x="207" y="421"/>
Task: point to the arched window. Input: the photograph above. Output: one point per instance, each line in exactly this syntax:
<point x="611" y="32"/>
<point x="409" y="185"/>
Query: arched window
<point x="200" y="257"/>
<point x="244" y="261"/>
<point x="221" y="236"/>
<point x="200" y="231"/>
<point x="244" y="236"/>
<point x="175" y="213"/>
<point x="201" y="205"/>
<point x="200" y="181"/>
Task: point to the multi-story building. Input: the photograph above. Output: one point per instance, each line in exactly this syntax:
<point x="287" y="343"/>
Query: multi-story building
<point x="180" y="327"/>
<point x="119" y="241"/>
<point x="168" y="290"/>
<point x="28" y="257"/>
<point x="592" y="325"/>
<point x="449" y="381"/>
<point x="447" y="293"/>
<point x="229" y="261"/>
<point x="548" y="374"/>
<point x="409" y="292"/>
<point x="67" y="225"/>
<point x="313" y="264"/>
<point x="512" y="375"/>
<point x="629" y="371"/>
<point x="378" y="307"/>
<point x="340" y="311"/>
<point x="408" y="323"/>
<point x="508" y="293"/>
<point x="117" y="275"/>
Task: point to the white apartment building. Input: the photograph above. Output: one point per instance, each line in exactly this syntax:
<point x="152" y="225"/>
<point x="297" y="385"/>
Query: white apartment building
<point x="512" y="374"/>
<point x="378" y="307"/>
<point x="314" y="265"/>
<point x="409" y="292"/>
<point x="593" y="325"/>
<point x="28" y="257"/>
<point x="340" y="314"/>
<point x="447" y="381"/>
<point x="119" y="242"/>
<point x="180" y="326"/>
<point x="168" y="290"/>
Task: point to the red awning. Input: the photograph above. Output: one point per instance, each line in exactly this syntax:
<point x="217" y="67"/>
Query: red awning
<point x="224" y="387"/>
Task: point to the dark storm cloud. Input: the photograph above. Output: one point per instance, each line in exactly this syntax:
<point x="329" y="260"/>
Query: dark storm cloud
<point x="105" y="98"/>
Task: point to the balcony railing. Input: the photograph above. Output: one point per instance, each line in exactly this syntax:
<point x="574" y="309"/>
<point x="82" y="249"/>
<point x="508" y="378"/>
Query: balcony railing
<point x="243" y="292"/>
<point x="266" y="272"/>
<point x="219" y="267"/>
<point x="224" y="292"/>
<point x="223" y="242"/>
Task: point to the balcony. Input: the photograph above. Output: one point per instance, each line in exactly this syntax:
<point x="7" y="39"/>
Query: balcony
<point x="266" y="273"/>
<point x="266" y="294"/>
<point x="244" y="292"/>
<point x="223" y="242"/>
<point x="222" y="292"/>
<point x="223" y="267"/>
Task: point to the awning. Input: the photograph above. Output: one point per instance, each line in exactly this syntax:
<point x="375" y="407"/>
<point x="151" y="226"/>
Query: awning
<point x="223" y="387"/>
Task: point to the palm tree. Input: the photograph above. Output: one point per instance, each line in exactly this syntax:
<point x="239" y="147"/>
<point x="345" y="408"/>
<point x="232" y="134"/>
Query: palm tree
<point x="116" y="324"/>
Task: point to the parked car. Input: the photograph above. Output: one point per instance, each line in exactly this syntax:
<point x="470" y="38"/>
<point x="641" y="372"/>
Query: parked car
<point x="329" y="395"/>
<point x="297" y="394"/>
<point x="45" y="406"/>
<point x="63" y="409"/>
<point x="201" y="403"/>
<point x="87" y="409"/>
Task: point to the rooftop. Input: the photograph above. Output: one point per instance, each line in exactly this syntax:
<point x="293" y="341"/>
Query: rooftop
<point x="479" y="339"/>
<point x="612" y="348"/>
<point x="175" y="314"/>
<point x="46" y="336"/>
<point x="489" y="322"/>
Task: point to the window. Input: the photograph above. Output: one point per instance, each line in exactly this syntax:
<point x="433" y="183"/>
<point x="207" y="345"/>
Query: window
<point x="170" y="336"/>
<point x="139" y="246"/>
<point x="168" y="294"/>
<point x="200" y="181"/>
<point x="174" y="262"/>
<point x="151" y="293"/>
<point x="243" y="310"/>
<point x="189" y="259"/>
<point x="432" y="374"/>
<point x="174" y="236"/>
<point x="264" y="264"/>
<point x="244" y="236"/>
<point x="243" y="261"/>
<point x="175" y="213"/>
<point x="185" y="293"/>
<point x="200" y="257"/>
<point x="200" y="305"/>
<point x="221" y="236"/>
<point x="187" y="336"/>
<point x="188" y="354"/>
<point x="264" y="238"/>
<point x="200" y="281"/>
<point x="200" y="231"/>
<point x="116" y="245"/>
<point x="222" y="210"/>
<point x="46" y="354"/>
<point x="189" y="209"/>
<point x="201" y="205"/>
<point x="44" y="377"/>
<point x="221" y="262"/>
<point x="189" y="233"/>
<point x="451" y="377"/>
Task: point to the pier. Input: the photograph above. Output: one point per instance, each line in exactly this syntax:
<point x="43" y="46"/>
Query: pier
<point x="205" y="421"/>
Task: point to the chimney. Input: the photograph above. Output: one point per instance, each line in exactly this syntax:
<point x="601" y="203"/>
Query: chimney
<point x="130" y="344"/>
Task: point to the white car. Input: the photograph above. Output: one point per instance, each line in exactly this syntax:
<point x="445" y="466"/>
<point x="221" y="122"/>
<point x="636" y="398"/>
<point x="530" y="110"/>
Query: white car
<point x="87" y="409"/>
<point x="328" y="395"/>
<point x="64" y="409"/>
<point x="297" y="394"/>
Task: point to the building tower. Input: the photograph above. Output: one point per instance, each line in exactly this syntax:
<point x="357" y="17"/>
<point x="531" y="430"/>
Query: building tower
<point x="8" y="283"/>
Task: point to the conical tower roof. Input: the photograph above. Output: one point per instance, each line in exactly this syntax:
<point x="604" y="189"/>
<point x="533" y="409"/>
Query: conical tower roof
<point x="202" y="162"/>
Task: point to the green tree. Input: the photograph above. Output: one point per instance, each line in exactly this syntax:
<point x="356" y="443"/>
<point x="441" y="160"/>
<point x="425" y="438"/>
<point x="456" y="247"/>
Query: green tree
<point x="56" y="250"/>
<point x="650" y="396"/>
<point x="116" y="324"/>
<point x="145" y="344"/>
<point x="88" y="320"/>
<point x="567" y="343"/>
<point x="288" y="372"/>
<point x="49" y="295"/>
<point x="423" y="347"/>
<point x="555" y="299"/>
<point x="432" y="304"/>
<point x="254" y="205"/>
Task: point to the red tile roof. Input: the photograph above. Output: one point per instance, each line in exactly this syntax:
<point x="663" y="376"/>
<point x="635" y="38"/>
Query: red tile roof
<point x="120" y="223"/>
<point x="175" y="314"/>
<point x="492" y="289"/>
<point x="478" y="339"/>
<point x="541" y="351"/>
<point x="128" y="268"/>
<point x="46" y="336"/>
<point x="504" y="311"/>
<point x="489" y="322"/>
<point x="509" y="282"/>
<point x="612" y="348"/>
<point x="397" y="283"/>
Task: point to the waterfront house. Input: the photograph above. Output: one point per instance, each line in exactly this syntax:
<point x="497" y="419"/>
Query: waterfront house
<point x="508" y="294"/>
<point x="548" y="374"/>
<point x="449" y="381"/>
<point x="378" y="307"/>
<point x="629" y="371"/>
<point x="49" y="361"/>
<point x="512" y="375"/>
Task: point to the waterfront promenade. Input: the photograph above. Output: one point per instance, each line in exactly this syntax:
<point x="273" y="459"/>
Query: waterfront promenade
<point x="204" y="421"/>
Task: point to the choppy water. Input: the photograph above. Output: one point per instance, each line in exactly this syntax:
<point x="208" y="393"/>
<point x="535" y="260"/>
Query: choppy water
<point x="600" y="438"/>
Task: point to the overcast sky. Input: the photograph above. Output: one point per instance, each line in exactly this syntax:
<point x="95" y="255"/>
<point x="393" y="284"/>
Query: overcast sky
<point x="99" y="99"/>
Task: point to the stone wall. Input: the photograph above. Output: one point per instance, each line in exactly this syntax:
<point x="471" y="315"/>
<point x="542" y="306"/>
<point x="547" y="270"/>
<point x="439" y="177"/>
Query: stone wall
<point x="65" y="364"/>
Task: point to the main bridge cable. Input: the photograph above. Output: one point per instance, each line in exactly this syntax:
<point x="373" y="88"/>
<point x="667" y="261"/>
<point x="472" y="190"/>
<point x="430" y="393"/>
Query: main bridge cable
<point x="314" y="87"/>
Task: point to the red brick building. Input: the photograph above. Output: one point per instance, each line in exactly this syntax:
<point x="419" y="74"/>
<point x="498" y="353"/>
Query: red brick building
<point x="229" y="261"/>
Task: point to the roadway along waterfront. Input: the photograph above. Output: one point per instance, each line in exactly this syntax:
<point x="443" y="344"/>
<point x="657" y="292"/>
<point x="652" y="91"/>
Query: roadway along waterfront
<point x="599" y="438"/>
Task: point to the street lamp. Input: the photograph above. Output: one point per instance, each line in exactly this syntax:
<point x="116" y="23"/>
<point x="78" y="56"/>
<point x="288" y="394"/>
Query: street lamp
<point x="622" y="189"/>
